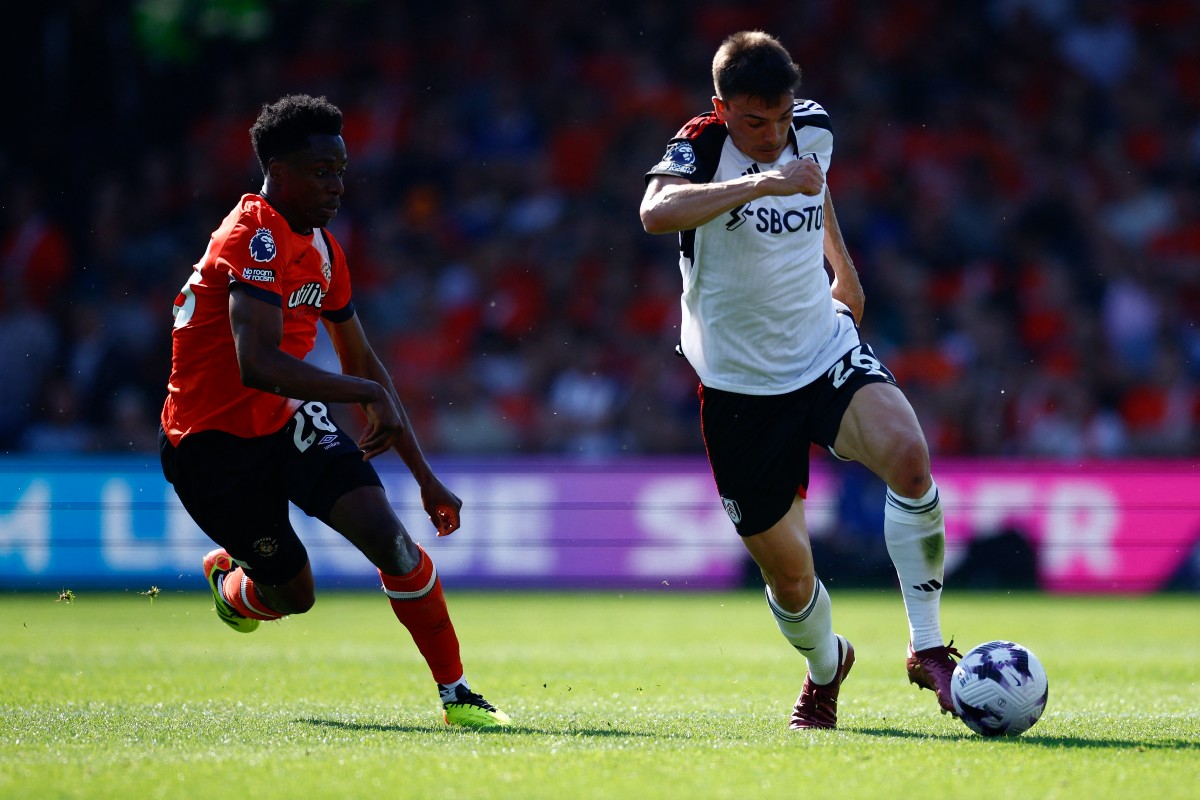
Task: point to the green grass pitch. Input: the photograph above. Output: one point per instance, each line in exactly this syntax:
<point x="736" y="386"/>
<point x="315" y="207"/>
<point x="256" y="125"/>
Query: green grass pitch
<point x="616" y="695"/>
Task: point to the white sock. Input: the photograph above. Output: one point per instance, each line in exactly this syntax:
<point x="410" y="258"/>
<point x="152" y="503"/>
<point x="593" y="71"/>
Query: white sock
<point x="915" y="534"/>
<point x="811" y="632"/>
<point x="449" y="691"/>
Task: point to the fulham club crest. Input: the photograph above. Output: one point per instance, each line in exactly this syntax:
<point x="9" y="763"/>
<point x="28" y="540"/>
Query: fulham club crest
<point x="731" y="508"/>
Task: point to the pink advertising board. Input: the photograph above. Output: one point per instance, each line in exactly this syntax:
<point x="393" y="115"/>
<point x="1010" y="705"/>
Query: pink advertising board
<point x="1096" y="527"/>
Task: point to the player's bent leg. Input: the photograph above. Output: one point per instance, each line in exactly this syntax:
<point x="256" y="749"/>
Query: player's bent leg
<point x="295" y="596"/>
<point x="915" y="534"/>
<point x="241" y="604"/>
<point x="914" y="528"/>
<point x="409" y="577"/>
<point x="217" y="566"/>
<point x="784" y="555"/>
<point x="880" y="430"/>
<point x="419" y="603"/>
<point x="804" y="615"/>
<point x="365" y="517"/>
<point x="414" y="591"/>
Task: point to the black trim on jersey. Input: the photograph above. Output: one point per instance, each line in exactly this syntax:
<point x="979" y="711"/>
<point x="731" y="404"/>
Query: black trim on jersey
<point x="687" y="243"/>
<point x="339" y="314"/>
<point x="328" y="244"/>
<point x="812" y="121"/>
<point x="257" y="293"/>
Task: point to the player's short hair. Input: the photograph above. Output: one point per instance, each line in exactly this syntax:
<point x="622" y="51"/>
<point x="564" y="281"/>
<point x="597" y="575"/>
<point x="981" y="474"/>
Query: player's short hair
<point x="283" y="127"/>
<point x="754" y="63"/>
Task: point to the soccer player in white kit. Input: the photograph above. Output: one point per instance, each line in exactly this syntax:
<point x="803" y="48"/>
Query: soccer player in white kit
<point x="776" y="346"/>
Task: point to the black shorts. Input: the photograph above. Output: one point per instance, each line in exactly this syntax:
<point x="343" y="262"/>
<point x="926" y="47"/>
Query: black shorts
<point x="758" y="444"/>
<point x="237" y="490"/>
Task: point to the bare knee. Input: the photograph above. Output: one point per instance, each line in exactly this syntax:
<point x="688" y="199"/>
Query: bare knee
<point x="792" y="590"/>
<point x="399" y="556"/>
<point x="783" y="554"/>
<point x="368" y="522"/>
<point x="908" y="470"/>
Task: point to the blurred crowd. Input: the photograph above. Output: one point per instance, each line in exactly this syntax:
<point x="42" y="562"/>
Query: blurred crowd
<point x="1018" y="182"/>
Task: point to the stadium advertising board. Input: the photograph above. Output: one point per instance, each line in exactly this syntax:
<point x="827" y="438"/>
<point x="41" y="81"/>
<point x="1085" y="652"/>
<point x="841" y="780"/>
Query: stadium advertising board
<point x="641" y="523"/>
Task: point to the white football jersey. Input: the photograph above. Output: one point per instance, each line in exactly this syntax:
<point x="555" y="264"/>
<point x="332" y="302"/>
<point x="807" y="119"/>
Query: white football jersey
<point x="758" y="316"/>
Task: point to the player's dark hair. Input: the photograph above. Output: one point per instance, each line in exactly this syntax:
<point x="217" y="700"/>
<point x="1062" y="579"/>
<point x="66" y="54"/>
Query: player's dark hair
<point x="754" y="63"/>
<point x="283" y="127"/>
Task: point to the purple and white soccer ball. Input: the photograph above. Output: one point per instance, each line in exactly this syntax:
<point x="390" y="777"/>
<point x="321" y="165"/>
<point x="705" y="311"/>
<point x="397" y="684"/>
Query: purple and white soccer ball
<point x="999" y="689"/>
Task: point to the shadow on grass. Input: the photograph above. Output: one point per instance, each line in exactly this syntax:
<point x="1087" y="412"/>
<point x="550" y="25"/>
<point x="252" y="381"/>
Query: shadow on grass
<point x="1065" y="742"/>
<point x="1043" y="741"/>
<point x="511" y="729"/>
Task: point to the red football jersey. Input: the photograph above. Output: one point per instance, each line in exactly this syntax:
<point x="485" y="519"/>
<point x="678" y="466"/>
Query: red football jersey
<point x="254" y="247"/>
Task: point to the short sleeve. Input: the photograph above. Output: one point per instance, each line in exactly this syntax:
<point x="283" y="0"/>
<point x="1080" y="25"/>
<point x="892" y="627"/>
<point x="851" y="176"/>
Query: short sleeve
<point x="251" y="256"/>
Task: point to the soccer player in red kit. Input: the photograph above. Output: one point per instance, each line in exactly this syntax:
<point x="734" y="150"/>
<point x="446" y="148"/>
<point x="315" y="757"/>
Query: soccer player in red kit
<point x="245" y="426"/>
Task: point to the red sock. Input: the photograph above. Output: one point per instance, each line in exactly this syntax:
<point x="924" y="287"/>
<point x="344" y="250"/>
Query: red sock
<point x="238" y="590"/>
<point x="418" y="602"/>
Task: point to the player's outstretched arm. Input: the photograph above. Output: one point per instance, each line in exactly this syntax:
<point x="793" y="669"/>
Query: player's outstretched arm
<point x="359" y="358"/>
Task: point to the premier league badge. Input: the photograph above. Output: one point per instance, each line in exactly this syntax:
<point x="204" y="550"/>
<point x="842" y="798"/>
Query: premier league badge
<point x="262" y="246"/>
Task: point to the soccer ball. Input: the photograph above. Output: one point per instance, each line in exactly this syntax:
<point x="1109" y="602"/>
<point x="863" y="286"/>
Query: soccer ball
<point x="999" y="689"/>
